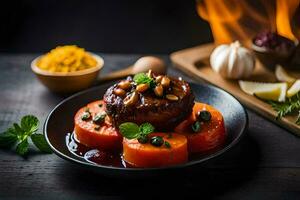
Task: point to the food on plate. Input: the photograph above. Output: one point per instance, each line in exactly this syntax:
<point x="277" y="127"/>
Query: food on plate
<point x="204" y="129"/>
<point x="69" y="58"/>
<point x="93" y="127"/>
<point x="162" y="150"/>
<point x="148" y="120"/>
<point x="232" y="61"/>
<point x="267" y="91"/>
<point x="160" y="100"/>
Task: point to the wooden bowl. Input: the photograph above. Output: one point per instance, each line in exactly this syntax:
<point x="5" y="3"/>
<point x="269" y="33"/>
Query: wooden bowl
<point x="269" y="58"/>
<point x="68" y="82"/>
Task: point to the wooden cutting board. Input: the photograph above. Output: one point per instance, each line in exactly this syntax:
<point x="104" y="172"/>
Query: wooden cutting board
<point x="195" y="62"/>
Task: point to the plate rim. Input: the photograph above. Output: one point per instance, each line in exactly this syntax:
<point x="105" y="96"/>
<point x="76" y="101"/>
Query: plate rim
<point x="179" y="166"/>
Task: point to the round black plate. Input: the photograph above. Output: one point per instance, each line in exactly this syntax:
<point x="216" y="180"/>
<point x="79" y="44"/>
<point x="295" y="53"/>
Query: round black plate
<point x="60" y="122"/>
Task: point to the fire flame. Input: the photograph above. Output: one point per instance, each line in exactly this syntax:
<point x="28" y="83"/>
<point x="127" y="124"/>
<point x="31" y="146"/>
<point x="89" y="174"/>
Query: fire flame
<point x="242" y="19"/>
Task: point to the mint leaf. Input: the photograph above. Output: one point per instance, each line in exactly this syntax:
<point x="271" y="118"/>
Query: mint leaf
<point x="7" y="139"/>
<point x="146" y="128"/>
<point x="12" y="131"/>
<point x="129" y="130"/>
<point x="142" y="78"/>
<point x="22" y="147"/>
<point x="18" y="130"/>
<point x="40" y="142"/>
<point x="29" y="123"/>
<point x="19" y="133"/>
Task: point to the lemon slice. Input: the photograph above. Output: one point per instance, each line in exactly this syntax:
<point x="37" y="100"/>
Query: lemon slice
<point x="272" y="94"/>
<point x="267" y="91"/>
<point x="283" y="76"/>
<point x="294" y="89"/>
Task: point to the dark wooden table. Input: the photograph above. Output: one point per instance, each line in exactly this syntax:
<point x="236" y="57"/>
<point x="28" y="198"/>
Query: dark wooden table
<point x="265" y="165"/>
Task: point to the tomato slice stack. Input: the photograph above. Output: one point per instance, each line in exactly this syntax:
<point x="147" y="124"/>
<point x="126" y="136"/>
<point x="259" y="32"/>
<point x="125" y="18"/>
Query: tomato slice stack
<point x="103" y="136"/>
<point x="211" y="134"/>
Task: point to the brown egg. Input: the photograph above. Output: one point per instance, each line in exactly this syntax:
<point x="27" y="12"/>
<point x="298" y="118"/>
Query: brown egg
<point x="145" y="63"/>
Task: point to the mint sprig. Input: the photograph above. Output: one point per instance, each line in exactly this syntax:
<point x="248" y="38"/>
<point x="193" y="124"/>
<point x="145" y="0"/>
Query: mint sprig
<point x="142" y="78"/>
<point x="146" y="128"/>
<point x="20" y="134"/>
<point x="131" y="130"/>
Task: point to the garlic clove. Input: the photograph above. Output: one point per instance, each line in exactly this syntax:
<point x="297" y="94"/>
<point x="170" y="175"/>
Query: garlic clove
<point x="215" y="54"/>
<point x="233" y="70"/>
<point x="218" y="59"/>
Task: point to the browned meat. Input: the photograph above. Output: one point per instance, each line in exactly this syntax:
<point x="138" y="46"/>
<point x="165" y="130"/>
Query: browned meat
<point x="161" y="112"/>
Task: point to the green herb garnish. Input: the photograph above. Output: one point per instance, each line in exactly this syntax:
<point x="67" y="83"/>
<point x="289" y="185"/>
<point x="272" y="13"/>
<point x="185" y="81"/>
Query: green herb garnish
<point x="143" y="139"/>
<point x="196" y="126"/>
<point x="291" y="105"/>
<point x="142" y="78"/>
<point x="85" y="116"/>
<point x="99" y="118"/>
<point x="146" y="128"/>
<point x="21" y="133"/>
<point x="167" y="144"/>
<point x="131" y="130"/>
<point x="40" y="142"/>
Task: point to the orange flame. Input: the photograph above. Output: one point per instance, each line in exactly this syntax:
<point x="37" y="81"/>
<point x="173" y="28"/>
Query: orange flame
<point x="284" y="13"/>
<point x="242" y="19"/>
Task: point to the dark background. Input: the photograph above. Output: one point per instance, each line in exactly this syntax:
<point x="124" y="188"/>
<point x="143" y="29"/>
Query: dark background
<point x="109" y="26"/>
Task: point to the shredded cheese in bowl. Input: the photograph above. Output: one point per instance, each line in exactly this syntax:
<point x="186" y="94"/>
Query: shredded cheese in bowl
<point x="69" y="58"/>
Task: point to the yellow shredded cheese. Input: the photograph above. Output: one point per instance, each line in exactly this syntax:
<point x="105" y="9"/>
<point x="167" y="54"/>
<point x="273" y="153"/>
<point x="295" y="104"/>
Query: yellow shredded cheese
<point x="67" y="58"/>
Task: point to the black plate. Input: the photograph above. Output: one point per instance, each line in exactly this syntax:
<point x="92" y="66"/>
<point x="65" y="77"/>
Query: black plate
<point x="60" y="122"/>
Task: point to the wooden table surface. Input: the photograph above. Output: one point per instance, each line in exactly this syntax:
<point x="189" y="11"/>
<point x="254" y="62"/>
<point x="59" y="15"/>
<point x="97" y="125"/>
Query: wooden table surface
<point x="265" y="165"/>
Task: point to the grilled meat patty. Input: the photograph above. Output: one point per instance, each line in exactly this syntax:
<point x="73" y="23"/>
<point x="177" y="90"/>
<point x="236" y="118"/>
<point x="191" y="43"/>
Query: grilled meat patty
<point x="163" y="112"/>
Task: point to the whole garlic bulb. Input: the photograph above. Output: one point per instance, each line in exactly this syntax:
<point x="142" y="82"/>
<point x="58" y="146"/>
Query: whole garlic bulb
<point x="232" y="61"/>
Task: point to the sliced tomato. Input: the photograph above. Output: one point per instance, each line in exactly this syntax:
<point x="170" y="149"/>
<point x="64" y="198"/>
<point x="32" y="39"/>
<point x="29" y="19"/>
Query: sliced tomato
<point x="102" y="136"/>
<point x="147" y="155"/>
<point x="212" y="134"/>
